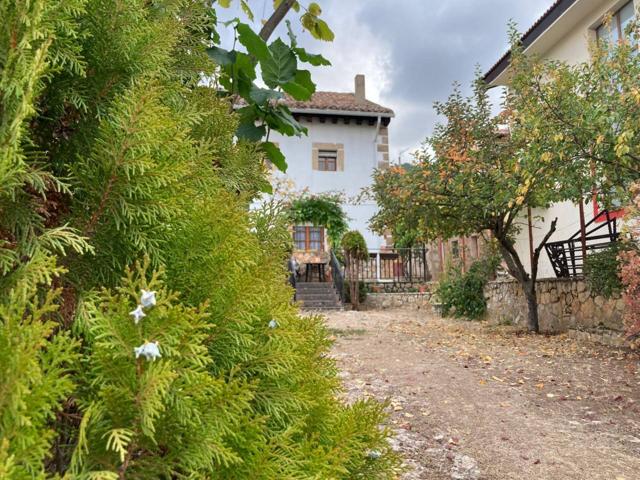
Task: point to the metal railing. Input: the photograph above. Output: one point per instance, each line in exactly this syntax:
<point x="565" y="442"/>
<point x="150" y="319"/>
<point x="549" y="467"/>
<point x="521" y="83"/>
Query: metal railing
<point x="567" y="257"/>
<point x="395" y="265"/>
<point x="292" y="277"/>
<point x="337" y="275"/>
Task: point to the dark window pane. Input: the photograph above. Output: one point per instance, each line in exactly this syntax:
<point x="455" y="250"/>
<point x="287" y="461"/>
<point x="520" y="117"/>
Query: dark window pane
<point x="327" y="160"/>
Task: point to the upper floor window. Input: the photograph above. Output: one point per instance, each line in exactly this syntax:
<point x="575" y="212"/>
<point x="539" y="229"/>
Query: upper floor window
<point x="308" y="239"/>
<point x="327" y="157"/>
<point x="328" y="160"/>
<point x="615" y="31"/>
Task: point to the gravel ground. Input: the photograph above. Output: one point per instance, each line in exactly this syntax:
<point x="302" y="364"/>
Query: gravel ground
<point x="469" y="401"/>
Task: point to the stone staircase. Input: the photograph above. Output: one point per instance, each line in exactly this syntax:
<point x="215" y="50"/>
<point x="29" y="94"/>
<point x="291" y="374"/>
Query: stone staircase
<point x="317" y="296"/>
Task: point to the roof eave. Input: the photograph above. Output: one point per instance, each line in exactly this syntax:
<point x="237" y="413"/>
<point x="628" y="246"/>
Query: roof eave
<point x="529" y="38"/>
<point x="350" y="113"/>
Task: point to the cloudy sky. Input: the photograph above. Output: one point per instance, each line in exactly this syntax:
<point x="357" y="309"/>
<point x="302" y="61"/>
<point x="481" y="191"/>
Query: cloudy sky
<point x="411" y="51"/>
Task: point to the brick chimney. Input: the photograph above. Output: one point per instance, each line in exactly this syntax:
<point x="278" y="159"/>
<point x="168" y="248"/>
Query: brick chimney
<point x="360" y="94"/>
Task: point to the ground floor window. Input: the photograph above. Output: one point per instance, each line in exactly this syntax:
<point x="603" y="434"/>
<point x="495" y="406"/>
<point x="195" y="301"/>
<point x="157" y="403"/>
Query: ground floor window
<point x="309" y="239"/>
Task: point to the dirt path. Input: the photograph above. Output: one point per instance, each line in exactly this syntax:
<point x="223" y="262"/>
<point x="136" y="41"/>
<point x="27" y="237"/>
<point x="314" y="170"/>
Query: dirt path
<point x="469" y="401"/>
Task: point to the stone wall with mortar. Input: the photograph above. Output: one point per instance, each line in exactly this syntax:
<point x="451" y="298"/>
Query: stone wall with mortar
<point x="563" y="305"/>
<point x="388" y="301"/>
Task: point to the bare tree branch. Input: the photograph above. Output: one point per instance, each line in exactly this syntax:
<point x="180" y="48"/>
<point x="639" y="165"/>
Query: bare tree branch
<point x="538" y="250"/>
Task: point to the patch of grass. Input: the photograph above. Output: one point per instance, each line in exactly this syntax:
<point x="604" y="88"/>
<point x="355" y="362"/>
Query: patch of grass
<point x="348" y="332"/>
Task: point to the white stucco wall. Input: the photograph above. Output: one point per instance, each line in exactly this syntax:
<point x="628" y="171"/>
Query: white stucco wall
<point x="360" y="160"/>
<point x="572" y="47"/>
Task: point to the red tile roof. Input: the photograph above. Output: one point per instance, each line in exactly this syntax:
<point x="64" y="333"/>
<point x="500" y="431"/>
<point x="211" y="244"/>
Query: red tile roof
<point x="345" y="102"/>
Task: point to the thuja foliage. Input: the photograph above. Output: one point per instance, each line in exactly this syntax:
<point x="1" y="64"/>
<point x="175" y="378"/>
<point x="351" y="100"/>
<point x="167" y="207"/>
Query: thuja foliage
<point x="36" y="362"/>
<point x="324" y="210"/>
<point x="111" y="153"/>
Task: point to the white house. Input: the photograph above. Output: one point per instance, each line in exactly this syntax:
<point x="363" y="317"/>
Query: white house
<point x="348" y="139"/>
<point x="563" y="33"/>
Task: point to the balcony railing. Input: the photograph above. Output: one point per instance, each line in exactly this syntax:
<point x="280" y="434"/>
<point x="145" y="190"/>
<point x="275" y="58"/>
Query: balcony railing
<point x="398" y="265"/>
<point x="567" y="256"/>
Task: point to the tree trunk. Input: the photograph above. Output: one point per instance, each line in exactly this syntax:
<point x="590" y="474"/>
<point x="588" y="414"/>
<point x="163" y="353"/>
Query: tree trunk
<point x="516" y="269"/>
<point x="355" y="285"/>
<point x="532" y="307"/>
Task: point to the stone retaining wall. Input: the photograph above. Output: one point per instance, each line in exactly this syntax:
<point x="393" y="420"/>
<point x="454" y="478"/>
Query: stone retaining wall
<point x="562" y="305"/>
<point x="387" y="301"/>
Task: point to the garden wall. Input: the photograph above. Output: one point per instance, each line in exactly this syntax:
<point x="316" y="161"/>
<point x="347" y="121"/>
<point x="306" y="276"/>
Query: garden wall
<point x="563" y="305"/>
<point x="407" y="300"/>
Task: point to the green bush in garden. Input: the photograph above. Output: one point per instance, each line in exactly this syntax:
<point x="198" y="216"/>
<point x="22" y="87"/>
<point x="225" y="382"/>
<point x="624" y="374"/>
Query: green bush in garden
<point x="112" y="152"/>
<point x="461" y="294"/>
<point x="601" y="270"/>
<point x="363" y="291"/>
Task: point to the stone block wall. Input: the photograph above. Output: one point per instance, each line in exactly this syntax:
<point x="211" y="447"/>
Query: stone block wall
<point x="392" y="301"/>
<point x="563" y="305"/>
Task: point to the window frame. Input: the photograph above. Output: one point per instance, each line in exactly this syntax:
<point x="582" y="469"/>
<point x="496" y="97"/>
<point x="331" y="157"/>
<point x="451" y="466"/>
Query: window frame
<point x="327" y="158"/>
<point x="618" y="22"/>
<point x="307" y="240"/>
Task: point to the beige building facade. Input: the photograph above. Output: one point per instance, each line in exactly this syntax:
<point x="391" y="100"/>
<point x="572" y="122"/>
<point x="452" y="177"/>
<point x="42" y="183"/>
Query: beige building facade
<point x="563" y="33"/>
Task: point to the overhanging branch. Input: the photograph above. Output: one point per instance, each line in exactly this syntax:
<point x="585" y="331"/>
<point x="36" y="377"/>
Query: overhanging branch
<point x="275" y="19"/>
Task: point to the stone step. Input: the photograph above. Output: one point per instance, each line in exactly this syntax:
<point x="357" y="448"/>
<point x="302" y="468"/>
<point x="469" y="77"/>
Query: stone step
<point x="315" y="307"/>
<point x="322" y="309"/>
<point x="319" y="304"/>
<point x="314" y="286"/>
<point x="317" y="296"/>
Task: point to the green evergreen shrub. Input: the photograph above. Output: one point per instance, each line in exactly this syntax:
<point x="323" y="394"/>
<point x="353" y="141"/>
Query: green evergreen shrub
<point x="36" y="363"/>
<point x="354" y="245"/>
<point x="105" y="94"/>
<point x="602" y="270"/>
<point x="461" y="294"/>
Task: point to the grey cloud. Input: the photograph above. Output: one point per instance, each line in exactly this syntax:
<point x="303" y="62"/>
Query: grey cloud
<point x="433" y="44"/>
<point x="414" y="50"/>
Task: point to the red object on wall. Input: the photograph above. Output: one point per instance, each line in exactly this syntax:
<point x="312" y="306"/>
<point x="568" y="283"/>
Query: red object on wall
<point x="612" y="215"/>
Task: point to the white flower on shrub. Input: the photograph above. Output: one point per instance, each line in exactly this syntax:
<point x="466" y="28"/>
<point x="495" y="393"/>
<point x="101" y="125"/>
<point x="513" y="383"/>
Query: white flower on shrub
<point x="137" y="314"/>
<point x="374" y="454"/>
<point x="148" y="298"/>
<point x="273" y="324"/>
<point x="149" y="350"/>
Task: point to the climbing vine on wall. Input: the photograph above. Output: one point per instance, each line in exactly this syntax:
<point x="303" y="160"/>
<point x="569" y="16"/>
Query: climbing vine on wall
<point x="322" y="210"/>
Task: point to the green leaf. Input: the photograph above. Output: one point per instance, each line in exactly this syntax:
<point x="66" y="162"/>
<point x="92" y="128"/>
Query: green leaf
<point x="274" y="155"/>
<point x="280" y="67"/>
<point x="314" y="9"/>
<point x="316" y="60"/>
<point x="263" y="95"/>
<point x="281" y="120"/>
<point x="221" y="56"/>
<point x="252" y="42"/>
<point x="322" y="31"/>
<point x="302" y="87"/>
<point x="246" y="9"/>
<point x="265" y="187"/>
<point x="251" y="132"/>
